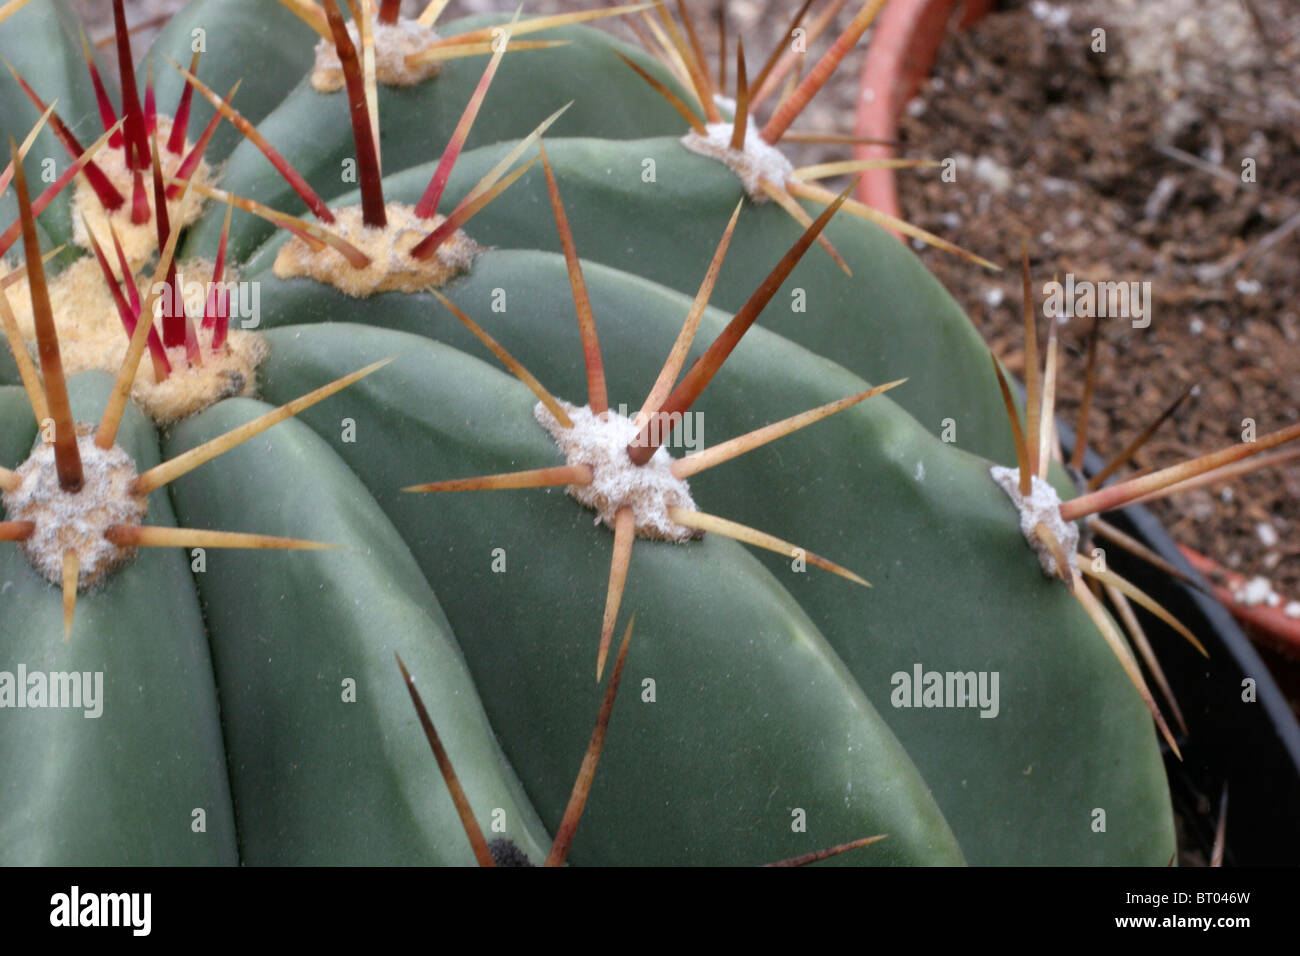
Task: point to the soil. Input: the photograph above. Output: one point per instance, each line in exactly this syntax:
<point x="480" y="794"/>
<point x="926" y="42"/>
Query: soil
<point x="1128" y="165"/>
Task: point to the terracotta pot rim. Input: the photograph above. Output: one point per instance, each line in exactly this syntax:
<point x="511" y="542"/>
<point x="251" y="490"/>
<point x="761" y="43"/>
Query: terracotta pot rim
<point x="903" y="49"/>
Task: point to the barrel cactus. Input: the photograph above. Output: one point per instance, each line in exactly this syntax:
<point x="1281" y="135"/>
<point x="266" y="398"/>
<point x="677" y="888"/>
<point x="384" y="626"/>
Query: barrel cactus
<point x="412" y="234"/>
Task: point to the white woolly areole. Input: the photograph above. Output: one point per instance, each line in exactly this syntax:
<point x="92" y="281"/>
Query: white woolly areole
<point x="757" y="161"/>
<point x="1043" y="505"/>
<point x="76" y="521"/>
<point x="600" y="442"/>
<point x="394" y="42"/>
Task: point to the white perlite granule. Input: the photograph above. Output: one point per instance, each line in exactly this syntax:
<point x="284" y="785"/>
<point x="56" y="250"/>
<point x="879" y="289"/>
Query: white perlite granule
<point x="1042" y="506"/>
<point x="76" y="521"/>
<point x="1267" y="534"/>
<point x="759" y="159"/>
<point x="1257" y="590"/>
<point x="600" y="442"/>
<point x="394" y="42"/>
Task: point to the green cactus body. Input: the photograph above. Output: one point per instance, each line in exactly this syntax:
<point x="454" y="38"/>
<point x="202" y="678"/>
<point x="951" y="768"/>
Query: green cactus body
<point x="911" y="513"/>
<point x="762" y="715"/>
<point x="662" y="230"/>
<point x="312" y="130"/>
<point x="666" y="232"/>
<point x="725" y="644"/>
<point x="123" y="788"/>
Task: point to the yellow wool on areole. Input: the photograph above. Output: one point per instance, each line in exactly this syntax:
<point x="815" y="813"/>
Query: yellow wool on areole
<point x="139" y="240"/>
<point x="91" y="336"/>
<point x="392" y="268"/>
<point x="394" y="42"/>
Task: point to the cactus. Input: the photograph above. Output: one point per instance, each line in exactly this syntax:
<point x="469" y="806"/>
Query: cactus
<point x="774" y="710"/>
